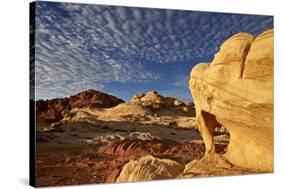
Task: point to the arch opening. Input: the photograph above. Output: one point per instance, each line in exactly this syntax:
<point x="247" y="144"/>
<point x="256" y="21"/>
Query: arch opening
<point x="216" y="137"/>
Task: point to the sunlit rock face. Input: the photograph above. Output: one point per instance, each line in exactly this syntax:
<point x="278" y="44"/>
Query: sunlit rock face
<point x="235" y="90"/>
<point x="149" y="168"/>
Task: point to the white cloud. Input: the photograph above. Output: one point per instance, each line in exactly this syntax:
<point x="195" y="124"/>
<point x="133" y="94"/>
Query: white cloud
<point x="85" y="46"/>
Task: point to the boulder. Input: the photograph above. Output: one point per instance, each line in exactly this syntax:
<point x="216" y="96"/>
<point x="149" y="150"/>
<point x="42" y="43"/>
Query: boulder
<point x="235" y="91"/>
<point x="149" y="168"/>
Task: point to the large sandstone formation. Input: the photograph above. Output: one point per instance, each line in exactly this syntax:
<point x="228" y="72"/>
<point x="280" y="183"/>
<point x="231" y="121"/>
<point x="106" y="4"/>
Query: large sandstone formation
<point x="51" y="110"/>
<point x="235" y="90"/>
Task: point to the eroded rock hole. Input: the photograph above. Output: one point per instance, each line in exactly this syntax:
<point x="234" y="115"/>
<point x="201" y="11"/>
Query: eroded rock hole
<point x="215" y="135"/>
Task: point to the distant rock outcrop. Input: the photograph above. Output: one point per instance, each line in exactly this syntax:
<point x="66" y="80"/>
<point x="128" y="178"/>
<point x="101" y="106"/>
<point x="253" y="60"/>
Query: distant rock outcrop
<point x="52" y="110"/>
<point x="156" y="102"/>
<point x="149" y="109"/>
<point x="236" y="91"/>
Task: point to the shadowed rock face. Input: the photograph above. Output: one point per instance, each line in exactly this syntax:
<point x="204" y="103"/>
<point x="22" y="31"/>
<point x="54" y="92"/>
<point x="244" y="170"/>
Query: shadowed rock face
<point x="235" y="90"/>
<point x="52" y="110"/>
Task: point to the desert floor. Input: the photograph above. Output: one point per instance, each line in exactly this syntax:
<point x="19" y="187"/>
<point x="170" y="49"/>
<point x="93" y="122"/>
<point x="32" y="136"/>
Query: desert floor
<point x="84" y="152"/>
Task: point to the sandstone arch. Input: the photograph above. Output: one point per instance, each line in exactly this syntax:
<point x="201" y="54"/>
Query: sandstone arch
<point x="237" y="88"/>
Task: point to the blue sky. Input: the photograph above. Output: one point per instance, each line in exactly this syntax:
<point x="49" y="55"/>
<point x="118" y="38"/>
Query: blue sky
<point x="124" y="51"/>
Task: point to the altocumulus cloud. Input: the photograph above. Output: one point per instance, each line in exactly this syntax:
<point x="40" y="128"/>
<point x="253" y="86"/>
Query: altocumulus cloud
<point x="81" y="46"/>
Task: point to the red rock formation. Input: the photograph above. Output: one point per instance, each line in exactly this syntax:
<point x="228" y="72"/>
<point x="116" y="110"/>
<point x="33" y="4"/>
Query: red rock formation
<point x="51" y="110"/>
<point x="136" y="148"/>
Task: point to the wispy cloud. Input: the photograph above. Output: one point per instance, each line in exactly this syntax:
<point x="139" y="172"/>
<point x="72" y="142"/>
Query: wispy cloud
<point x="86" y="46"/>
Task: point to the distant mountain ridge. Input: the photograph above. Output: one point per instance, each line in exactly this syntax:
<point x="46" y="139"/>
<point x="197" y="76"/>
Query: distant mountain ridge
<point x="51" y="110"/>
